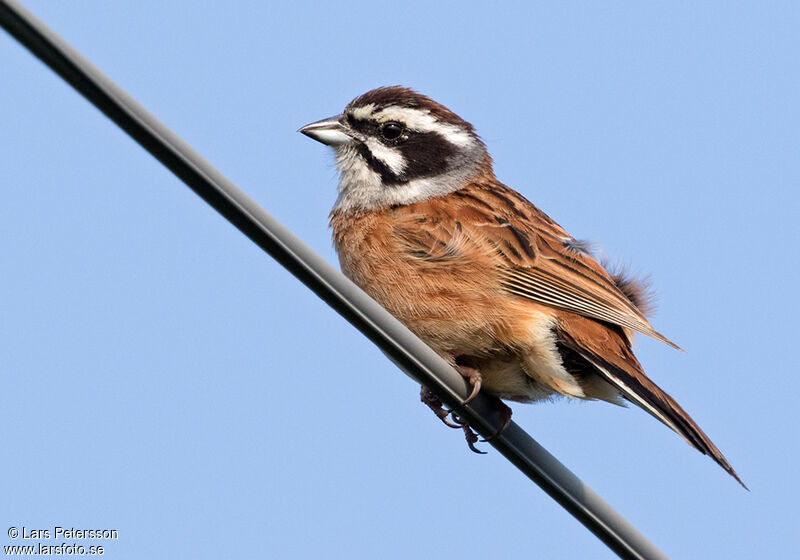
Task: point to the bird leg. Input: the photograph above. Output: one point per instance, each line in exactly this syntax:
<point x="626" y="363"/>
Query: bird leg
<point x="435" y="404"/>
<point x="474" y="377"/>
<point x="469" y="433"/>
<point x="505" y="416"/>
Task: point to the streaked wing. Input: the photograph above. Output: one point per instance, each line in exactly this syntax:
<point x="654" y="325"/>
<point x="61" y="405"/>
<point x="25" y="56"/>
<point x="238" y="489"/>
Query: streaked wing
<point x="563" y="292"/>
<point x="534" y="257"/>
<point x="491" y="225"/>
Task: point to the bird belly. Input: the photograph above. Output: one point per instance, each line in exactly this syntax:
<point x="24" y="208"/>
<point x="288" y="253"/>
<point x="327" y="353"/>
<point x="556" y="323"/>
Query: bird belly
<point x="505" y="378"/>
<point x="531" y="368"/>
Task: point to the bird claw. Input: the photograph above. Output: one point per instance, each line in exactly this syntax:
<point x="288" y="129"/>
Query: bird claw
<point x="474" y="377"/>
<point x="450" y="423"/>
<point x="472" y="439"/>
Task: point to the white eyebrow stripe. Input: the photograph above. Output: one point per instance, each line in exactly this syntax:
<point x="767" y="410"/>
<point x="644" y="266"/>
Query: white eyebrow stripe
<point x="363" y="113"/>
<point x="422" y="121"/>
<point x="391" y="157"/>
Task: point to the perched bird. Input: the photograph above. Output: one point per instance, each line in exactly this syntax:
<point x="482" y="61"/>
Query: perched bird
<point x="485" y="278"/>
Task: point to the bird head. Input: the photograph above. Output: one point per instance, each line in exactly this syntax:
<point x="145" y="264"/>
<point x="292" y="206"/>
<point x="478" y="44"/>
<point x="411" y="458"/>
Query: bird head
<point x="395" y="146"/>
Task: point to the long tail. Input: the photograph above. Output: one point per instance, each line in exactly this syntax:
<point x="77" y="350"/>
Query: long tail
<point x="636" y="387"/>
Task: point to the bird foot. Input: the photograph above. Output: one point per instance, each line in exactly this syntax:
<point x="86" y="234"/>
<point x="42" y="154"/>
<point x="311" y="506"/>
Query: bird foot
<point x="451" y="418"/>
<point x="475" y="379"/>
<point x="433" y="402"/>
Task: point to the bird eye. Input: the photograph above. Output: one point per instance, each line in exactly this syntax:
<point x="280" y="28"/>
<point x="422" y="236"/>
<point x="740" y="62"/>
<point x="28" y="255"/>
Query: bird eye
<point x="392" y="130"/>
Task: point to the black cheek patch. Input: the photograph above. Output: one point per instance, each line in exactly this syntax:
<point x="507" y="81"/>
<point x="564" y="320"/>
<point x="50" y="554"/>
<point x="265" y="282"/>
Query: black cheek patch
<point x="426" y="154"/>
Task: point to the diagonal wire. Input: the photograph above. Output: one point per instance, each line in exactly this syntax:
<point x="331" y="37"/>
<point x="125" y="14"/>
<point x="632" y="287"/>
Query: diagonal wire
<point x="403" y="348"/>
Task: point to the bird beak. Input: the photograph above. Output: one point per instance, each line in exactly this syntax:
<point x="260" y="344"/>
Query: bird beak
<point x="328" y="131"/>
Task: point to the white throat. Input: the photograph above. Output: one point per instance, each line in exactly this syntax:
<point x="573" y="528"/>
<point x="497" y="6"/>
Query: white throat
<point x="361" y="188"/>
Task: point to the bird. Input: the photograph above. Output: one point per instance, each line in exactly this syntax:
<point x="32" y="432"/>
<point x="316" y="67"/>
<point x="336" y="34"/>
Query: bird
<point x="520" y="308"/>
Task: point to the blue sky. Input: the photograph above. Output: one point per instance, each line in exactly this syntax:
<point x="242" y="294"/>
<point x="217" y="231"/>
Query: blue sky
<point x="163" y="377"/>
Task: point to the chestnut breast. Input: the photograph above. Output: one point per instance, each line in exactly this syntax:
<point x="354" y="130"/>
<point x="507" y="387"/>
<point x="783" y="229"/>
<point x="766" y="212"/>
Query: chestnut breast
<point x="445" y="295"/>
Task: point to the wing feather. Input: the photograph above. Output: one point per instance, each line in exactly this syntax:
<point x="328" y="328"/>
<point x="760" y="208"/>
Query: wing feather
<point x="539" y="285"/>
<point x="487" y="225"/>
<point x="625" y="374"/>
<point x="534" y="257"/>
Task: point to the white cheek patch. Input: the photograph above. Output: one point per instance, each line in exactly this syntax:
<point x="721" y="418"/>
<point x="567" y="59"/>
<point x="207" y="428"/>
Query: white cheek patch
<point x="391" y="157"/>
<point x="361" y="187"/>
<point x="422" y="121"/>
<point x="355" y="171"/>
<point x="357" y="181"/>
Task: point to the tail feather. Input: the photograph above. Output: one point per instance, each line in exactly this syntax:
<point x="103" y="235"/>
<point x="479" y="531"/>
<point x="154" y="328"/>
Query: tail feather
<point x="640" y="390"/>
